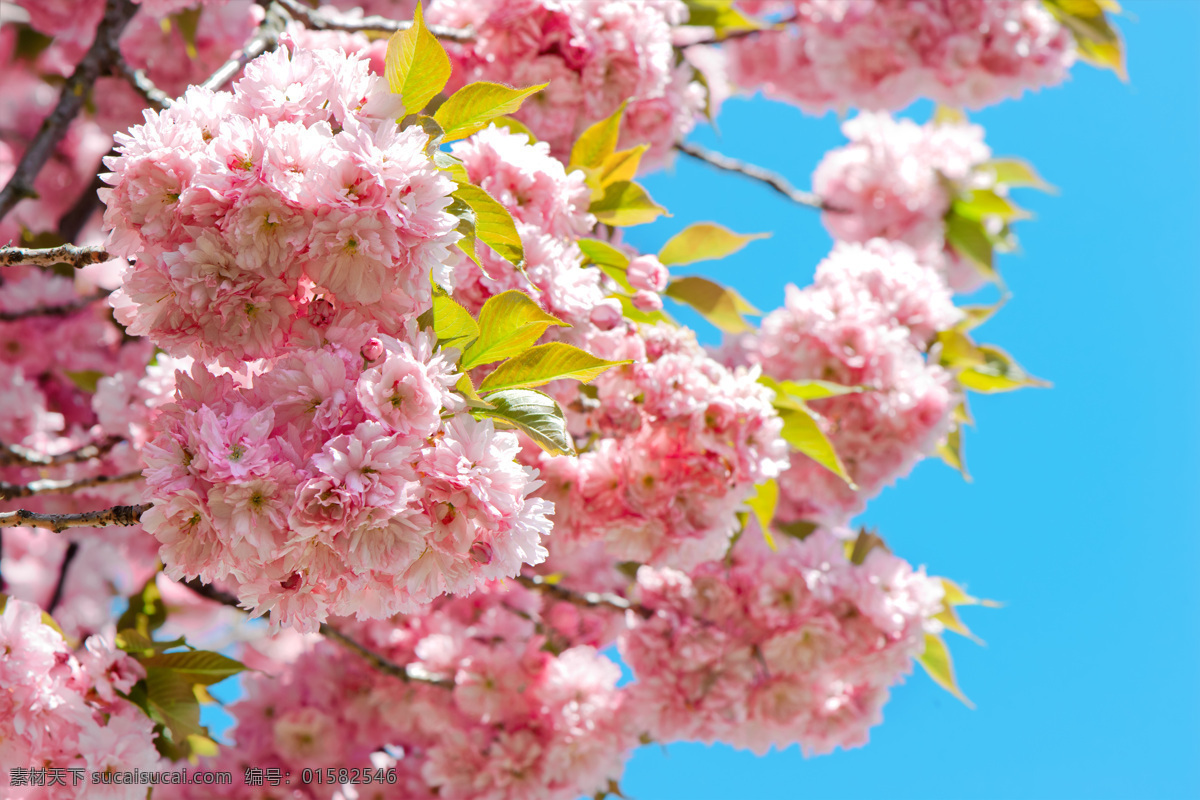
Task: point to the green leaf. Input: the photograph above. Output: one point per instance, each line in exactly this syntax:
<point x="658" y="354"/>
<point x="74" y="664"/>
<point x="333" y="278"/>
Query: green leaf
<point x="508" y="324"/>
<point x="763" y="504"/>
<point x="936" y="661"/>
<point x="1098" y="43"/>
<point x="598" y="142"/>
<point x="533" y="413"/>
<point x="467" y="389"/>
<point x="514" y="125"/>
<point x="85" y="380"/>
<point x="452" y="324"/>
<point x="171" y="700"/>
<point x="494" y="226"/>
<point x="718" y="304"/>
<point x="951" y="451"/>
<point x="197" y="666"/>
<point x="138" y="645"/>
<point x="970" y="240"/>
<point x="955" y="595"/>
<point x="720" y="15"/>
<point x="980" y="203"/>
<point x="704" y="241"/>
<point x="948" y="115"/>
<point x="626" y="203"/>
<point x="800" y="529"/>
<point x="801" y="431"/>
<point x="863" y="544"/>
<point x="454" y="166"/>
<point x="974" y="316"/>
<point x="635" y="314"/>
<point x="146" y="612"/>
<point x="621" y="165"/>
<point x="544" y="363"/>
<point x="603" y="253"/>
<point x="416" y="65"/>
<point x="1014" y="172"/>
<point x="817" y="390"/>
<point x="47" y="620"/>
<point x="472" y="107"/>
<point x="997" y="373"/>
<point x="188" y="22"/>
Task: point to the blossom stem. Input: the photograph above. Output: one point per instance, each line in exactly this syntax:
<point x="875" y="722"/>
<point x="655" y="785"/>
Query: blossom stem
<point x="105" y="517"/>
<point x="774" y="180"/>
<point x="74" y="94"/>
<point x="11" y="491"/>
<point x="582" y="599"/>
<point x="23" y="456"/>
<point x="323" y="20"/>
<point x="77" y="257"/>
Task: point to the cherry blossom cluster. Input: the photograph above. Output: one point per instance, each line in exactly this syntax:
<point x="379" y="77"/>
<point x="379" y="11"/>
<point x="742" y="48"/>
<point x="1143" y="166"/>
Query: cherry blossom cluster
<point x="866" y="321"/>
<point x="896" y="180"/>
<point x="884" y="54"/>
<point x="61" y="710"/>
<point x="779" y="648"/>
<point x="595" y="56"/>
<point x="517" y="721"/>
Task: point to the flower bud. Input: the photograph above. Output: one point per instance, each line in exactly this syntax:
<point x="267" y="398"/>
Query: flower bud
<point x="647" y="301"/>
<point x="372" y="350"/>
<point x="320" y="312"/>
<point x="647" y="272"/>
<point x="481" y="552"/>
<point x="606" y="315"/>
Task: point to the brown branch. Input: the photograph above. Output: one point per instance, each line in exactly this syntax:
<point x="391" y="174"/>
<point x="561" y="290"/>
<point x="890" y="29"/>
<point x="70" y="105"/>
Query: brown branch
<point x="140" y="81"/>
<point x="11" y="491"/>
<point x="775" y="181"/>
<point x="582" y="599"/>
<point x="77" y="257"/>
<point x="325" y="21"/>
<point x="61" y="584"/>
<point x="104" y="518"/>
<point x="408" y="673"/>
<point x="265" y="38"/>
<point x="70" y="101"/>
<point x="22" y="456"/>
<point x="774" y="27"/>
<point x="64" y="310"/>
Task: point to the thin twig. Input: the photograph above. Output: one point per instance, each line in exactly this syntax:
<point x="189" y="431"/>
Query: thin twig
<point x="70" y="101"/>
<point x="582" y="599"/>
<point x="140" y="81"/>
<point x="775" y="181"/>
<point x="773" y="27"/>
<point x="409" y="674"/>
<point x="265" y="38"/>
<point x="61" y="583"/>
<point x="104" y="518"/>
<point x="23" y="456"/>
<point x="64" y="310"/>
<point x="77" y="257"/>
<point x="325" y="21"/>
<point x="11" y="491"/>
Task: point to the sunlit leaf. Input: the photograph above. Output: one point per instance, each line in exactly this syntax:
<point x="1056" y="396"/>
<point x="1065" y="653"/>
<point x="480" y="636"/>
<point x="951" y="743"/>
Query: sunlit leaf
<point x="720" y="305"/>
<point x="544" y="363"/>
<point x="514" y="125"/>
<point x="146" y="612"/>
<point x="817" y="390"/>
<point x="936" y="661"/>
<point x="801" y="431"/>
<point x="533" y="413"/>
<point x="763" y="504"/>
<point x="997" y="373"/>
<point x="494" y="225"/>
<point x="508" y="324"/>
<point x="720" y="15"/>
<point x="475" y="105"/>
<point x="632" y="312"/>
<point x="197" y="666"/>
<point x="704" y="241"/>
<point x="621" y="165"/>
<point x="1014" y="172"/>
<point x="452" y="324"/>
<point x="626" y="203"/>
<point x="416" y="65"/>
<point x="980" y="203"/>
<point x="970" y="240"/>
<point x="597" y="142"/>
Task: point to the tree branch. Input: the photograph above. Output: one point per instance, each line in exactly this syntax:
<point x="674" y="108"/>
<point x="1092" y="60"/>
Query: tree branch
<point x="140" y="81"/>
<point x="104" y="518"/>
<point x="775" y="181"/>
<point x="61" y="584"/>
<point x="77" y="257"/>
<point x="22" y="456"/>
<point x="318" y="19"/>
<point x="264" y="39"/>
<point x="11" y="491"/>
<point x="64" y="310"/>
<point x="582" y="599"/>
<point x="74" y="93"/>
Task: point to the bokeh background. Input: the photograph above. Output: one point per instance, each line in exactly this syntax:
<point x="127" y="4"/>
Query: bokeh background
<point x="1083" y="514"/>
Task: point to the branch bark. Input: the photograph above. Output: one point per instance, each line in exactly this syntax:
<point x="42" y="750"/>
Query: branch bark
<point x="774" y="180"/>
<point x="582" y="599"/>
<point x="140" y="81"/>
<point x="325" y="21"/>
<point x="64" y="310"/>
<point x="104" y="518"/>
<point x="77" y="257"/>
<point x="11" y="491"/>
<point x="74" y="93"/>
<point x="22" y="456"/>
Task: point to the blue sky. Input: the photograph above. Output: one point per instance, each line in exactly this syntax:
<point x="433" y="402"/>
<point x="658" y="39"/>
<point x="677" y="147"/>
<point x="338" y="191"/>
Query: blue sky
<point x="1082" y="517"/>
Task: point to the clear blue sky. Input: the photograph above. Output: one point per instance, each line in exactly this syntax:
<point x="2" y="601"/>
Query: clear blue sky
<point x="1082" y="517"/>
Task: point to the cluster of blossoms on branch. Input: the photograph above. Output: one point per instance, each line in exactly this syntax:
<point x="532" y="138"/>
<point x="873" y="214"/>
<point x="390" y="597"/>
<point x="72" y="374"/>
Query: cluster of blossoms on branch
<point x="366" y="352"/>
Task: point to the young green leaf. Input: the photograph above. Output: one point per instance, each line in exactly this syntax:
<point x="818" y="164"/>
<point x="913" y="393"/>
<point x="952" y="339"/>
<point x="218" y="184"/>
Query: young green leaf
<point x="763" y="504"/>
<point x="197" y="666"/>
<point x="1098" y="43"/>
<point x="970" y="240"/>
<point x="533" y="413"/>
<point x="817" y="390"/>
<point x="467" y="389"/>
<point x="635" y="314"/>
<point x="704" y="241"/>
<point x="626" y="203"/>
<point x="621" y="165"/>
<point x="718" y="304"/>
<point x="146" y="612"/>
<point x="138" y="645"/>
<point x="720" y="15"/>
<point x="1014" y="172"/>
<point x="171" y="700"/>
<point x="472" y="107"/>
<point x="998" y="373"/>
<point x="416" y="65"/>
<point x="544" y="363"/>
<point x="980" y="203"/>
<point x="863" y="544"/>
<point x="508" y="324"/>
<point x="494" y="226"/>
<point x="598" y="142"/>
<point x="599" y="252"/>
<point x="936" y="661"/>
<point x="86" y="380"/>
<point x="951" y="451"/>
<point x="801" y="431"/>
<point x="515" y="125"/>
<point x="452" y="324"/>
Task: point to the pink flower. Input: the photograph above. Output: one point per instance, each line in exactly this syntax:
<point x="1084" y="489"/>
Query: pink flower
<point x="647" y="273"/>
